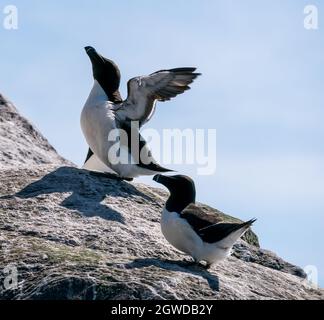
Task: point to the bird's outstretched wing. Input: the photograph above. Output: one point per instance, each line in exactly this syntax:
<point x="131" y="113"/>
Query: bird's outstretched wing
<point x="144" y="91"/>
<point x="209" y="227"/>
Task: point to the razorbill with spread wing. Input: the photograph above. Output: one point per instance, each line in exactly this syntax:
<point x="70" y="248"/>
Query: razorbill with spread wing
<point x="189" y="229"/>
<point x="105" y="110"/>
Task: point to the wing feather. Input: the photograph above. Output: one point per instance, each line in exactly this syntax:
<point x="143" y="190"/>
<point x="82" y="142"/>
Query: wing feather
<point x="144" y="91"/>
<point x="209" y="227"/>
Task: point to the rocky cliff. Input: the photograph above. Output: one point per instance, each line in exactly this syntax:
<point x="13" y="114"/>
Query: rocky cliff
<point x="20" y="142"/>
<point x="74" y="235"/>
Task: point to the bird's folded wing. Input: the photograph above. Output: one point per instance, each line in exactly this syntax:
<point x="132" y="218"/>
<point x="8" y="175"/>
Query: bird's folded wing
<point x="162" y="85"/>
<point x="209" y="227"/>
<point x="139" y="149"/>
<point x="198" y="218"/>
<point x="219" y="231"/>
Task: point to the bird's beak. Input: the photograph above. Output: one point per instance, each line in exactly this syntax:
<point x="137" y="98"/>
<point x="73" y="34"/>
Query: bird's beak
<point x="95" y="57"/>
<point x="91" y="52"/>
<point x="89" y="49"/>
<point x="157" y="177"/>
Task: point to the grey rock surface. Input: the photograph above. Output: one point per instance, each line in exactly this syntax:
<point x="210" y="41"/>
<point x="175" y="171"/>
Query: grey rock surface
<point x="21" y="144"/>
<point x="74" y="235"/>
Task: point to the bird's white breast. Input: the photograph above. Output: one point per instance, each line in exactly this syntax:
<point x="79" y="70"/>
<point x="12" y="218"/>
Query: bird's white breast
<point x="179" y="233"/>
<point x="97" y="120"/>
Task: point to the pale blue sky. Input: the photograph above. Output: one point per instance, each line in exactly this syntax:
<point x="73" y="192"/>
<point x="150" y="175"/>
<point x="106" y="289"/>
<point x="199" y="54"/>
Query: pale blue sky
<point x="262" y="89"/>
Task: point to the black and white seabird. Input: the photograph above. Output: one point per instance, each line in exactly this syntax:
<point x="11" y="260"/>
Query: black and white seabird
<point x="105" y="110"/>
<point x="189" y="229"/>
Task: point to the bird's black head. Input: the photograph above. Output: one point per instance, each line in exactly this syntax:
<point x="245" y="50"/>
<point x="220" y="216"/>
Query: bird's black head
<point x="106" y="73"/>
<point x="182" y="191"/>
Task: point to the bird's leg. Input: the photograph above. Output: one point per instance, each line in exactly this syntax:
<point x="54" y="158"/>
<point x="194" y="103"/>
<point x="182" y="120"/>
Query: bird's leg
<point x="200" y="264"/>
<point x="206" y="266"/>
<point x="190" y="262"/>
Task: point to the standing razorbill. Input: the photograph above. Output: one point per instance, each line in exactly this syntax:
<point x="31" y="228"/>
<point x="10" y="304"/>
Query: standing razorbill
<point x="105" y="110"/>
<point x="189" y="229"/>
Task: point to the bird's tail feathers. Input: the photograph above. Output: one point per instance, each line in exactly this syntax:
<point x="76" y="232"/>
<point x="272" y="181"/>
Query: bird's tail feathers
<point x="236" y="233"/>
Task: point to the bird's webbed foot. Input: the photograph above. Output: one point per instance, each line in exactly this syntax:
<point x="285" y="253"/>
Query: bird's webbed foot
<point x="110" y="176"/>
